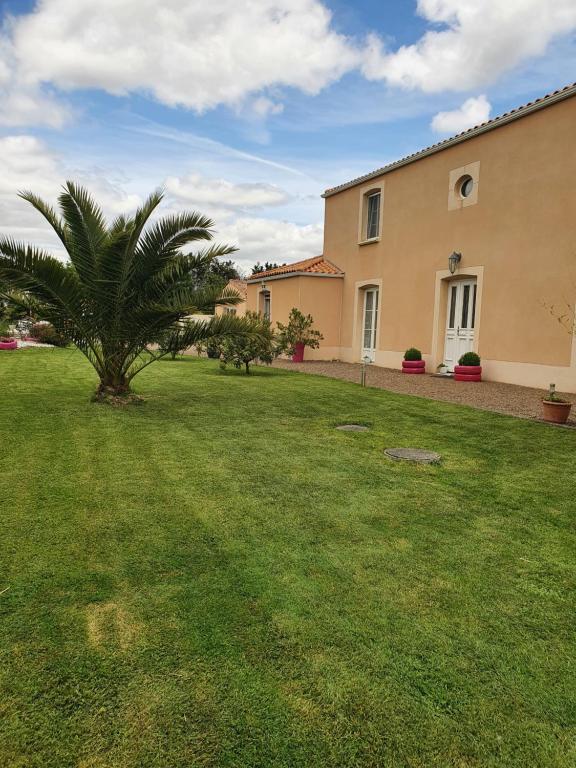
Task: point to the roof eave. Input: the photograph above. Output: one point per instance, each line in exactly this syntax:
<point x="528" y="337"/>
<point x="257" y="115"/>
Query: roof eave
<point x="258" y="279"/>
<point x="509" y="117"/>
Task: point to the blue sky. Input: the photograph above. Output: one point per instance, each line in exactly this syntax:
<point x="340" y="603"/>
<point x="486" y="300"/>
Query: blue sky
<point x="248" y="111"/>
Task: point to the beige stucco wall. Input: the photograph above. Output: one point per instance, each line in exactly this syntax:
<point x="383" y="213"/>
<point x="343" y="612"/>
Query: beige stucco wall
<point x="240" y="309"/>
<point x="518" y="240"/>
<point x="320" y="297"/>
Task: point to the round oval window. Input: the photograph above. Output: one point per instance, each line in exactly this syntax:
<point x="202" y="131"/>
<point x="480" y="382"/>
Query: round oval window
<point x="466" y="186"/>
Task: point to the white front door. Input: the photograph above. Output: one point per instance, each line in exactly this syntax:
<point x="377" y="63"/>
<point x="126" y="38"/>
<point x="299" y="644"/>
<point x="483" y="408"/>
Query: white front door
<point x="370" y="323"/>
<point x="460" y="317"/>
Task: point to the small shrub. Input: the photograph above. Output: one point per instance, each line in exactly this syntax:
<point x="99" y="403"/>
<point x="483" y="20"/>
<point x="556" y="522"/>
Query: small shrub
<point x="552" y="397"/>
<point x="45" y="333"/>
<point x="469" y="358"/>
<point x="243" y="350"/>
<point x="298" y="331"/>
<point x="412" y="354"/>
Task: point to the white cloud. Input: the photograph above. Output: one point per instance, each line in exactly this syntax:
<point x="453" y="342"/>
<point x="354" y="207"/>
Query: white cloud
<point x="262" y="107"/>
<point x="27" y="164"/>
<point x="200" y="191"/>
<point x="242" y="55"/>
<point x="197" y="55"/>
<point x="479" y="41"/>
<point x="25" y="103"/>
<point x="473" y="112"/>
<point x="271" y="240"/>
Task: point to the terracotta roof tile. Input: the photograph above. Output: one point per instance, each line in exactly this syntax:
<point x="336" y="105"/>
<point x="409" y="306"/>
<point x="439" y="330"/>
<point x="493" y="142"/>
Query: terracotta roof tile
<point x="240" y="286"/>
<point x="317" y="265"/>
<point x="507" y="117"/>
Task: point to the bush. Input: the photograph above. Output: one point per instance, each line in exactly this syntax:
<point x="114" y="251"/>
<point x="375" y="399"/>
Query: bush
<point x="469" y="358"/>
<point x="242" y="350"/>
<point x="45" y="333"/>
<point x="412" y="354"/>
<point x="298" y="331"/>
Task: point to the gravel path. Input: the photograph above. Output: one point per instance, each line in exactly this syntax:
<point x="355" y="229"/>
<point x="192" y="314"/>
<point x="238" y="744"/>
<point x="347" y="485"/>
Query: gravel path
<point x="486" y="395"/>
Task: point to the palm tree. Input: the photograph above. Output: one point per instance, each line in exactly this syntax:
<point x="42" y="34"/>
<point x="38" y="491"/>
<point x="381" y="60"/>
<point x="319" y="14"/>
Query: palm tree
<point x="127" y="285"/>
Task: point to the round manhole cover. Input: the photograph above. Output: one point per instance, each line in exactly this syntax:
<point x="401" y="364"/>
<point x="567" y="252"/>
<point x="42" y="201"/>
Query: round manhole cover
<point x="352" y="428"/>
<point x="413" y="454"/>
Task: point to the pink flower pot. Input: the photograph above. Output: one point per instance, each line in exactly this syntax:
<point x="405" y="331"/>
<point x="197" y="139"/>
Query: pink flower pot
<point x="13" y="344"/>
<point x="467" y="373"/>
<point x="298" y="356"/>
<point x="413" y="366"/>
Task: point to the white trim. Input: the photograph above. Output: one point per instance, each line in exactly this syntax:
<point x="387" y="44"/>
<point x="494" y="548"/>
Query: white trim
<point x="443" y="276"/>
<point x="257" y="279"/>
<point x="357" y="339"/>
<point x="365" y="193"/>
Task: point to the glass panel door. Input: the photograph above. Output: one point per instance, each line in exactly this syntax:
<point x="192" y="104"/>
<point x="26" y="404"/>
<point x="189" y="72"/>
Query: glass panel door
<point x="370" y="323"/>
<point x="460" y="321"/>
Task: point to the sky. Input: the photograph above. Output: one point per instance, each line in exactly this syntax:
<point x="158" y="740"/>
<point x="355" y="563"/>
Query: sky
<point x="247" y="111"/>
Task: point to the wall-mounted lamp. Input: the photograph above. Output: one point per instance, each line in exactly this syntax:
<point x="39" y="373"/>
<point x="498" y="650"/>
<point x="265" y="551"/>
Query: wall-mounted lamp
<point x="453" y="260"/>
<point x="263" y="286"/>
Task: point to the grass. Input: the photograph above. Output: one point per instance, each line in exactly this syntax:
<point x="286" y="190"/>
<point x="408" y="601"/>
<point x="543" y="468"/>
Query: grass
<point x="219" y="578"/>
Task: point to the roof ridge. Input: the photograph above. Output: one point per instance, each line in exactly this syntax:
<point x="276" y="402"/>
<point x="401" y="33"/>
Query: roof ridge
<point x="299" y="266"/>
<point x="513" y="114"/>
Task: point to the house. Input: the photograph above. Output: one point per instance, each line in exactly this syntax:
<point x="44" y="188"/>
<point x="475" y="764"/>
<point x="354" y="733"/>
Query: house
<point x="467" y="245"/>
<point x="240" y="286"/>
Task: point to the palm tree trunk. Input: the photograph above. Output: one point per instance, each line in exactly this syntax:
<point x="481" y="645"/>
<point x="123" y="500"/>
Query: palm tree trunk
<point x="112" y="385"/>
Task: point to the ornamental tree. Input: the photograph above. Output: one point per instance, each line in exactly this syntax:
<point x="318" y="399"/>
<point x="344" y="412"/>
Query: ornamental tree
<point x="299" y="330"/>
<point x="127" y="284"/>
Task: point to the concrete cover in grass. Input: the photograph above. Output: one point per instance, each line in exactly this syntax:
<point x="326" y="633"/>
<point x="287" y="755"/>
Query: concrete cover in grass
<point x="219" y="578"/>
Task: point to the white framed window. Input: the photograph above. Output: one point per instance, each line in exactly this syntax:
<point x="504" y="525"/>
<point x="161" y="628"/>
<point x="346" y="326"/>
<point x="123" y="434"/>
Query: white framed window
<point x="373" y="215"/>
<point x="266" y="304"/>
<point x="463" y="186"/>
<point x="370" y="218"/>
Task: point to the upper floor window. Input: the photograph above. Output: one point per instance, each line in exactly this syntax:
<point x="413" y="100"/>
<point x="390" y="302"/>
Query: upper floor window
<point x="373" y="215"/>
<point x="370" y="212"/>
<point x="229" y="310"/>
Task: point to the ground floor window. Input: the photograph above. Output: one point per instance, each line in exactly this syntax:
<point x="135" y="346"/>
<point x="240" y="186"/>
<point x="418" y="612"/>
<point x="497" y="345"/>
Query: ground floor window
<point x="370" y="323"/>
<point x="266" y="304"/>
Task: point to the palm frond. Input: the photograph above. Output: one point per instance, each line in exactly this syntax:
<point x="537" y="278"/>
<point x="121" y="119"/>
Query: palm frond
<point x="49" y="214"/>
<point x="86" y="228"/>
<point x="165" y="238"/>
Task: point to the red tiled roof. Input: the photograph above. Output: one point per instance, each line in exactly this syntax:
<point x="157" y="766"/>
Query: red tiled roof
<point x="317" y="265"/>
<point x="507" y="117"/>
<point x="240" y="286"/>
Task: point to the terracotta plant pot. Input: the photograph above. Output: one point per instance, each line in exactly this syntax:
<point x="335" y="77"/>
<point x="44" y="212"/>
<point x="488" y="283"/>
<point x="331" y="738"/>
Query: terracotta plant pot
<point x="298" y="356"/>
<point x="467" y="373"/>
<point x="413" y="366"/>
<point x="555" y="412"/>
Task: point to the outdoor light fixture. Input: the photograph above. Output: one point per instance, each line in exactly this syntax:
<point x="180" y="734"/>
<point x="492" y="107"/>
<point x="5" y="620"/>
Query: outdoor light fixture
<point x="453" y="260"/>
<point x="263" y="286"/>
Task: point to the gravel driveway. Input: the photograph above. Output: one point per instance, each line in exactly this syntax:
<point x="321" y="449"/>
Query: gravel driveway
<point x="487" y="395"/>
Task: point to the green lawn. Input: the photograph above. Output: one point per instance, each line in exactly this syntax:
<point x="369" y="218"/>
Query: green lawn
<point x="219" y="578"/>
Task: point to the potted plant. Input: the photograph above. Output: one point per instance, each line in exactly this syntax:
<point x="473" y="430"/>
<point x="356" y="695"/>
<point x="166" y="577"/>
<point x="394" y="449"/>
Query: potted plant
<point x="442" y="369"/>
<point x="468" y="368"/>
<point x="413" y="362"/>
<point x="556" y="410"/>
<point x="298" y="334"/>
<point x="7" y="342"/>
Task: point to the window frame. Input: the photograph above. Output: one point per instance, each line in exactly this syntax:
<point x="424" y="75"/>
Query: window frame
<point x="367" y="193"/>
